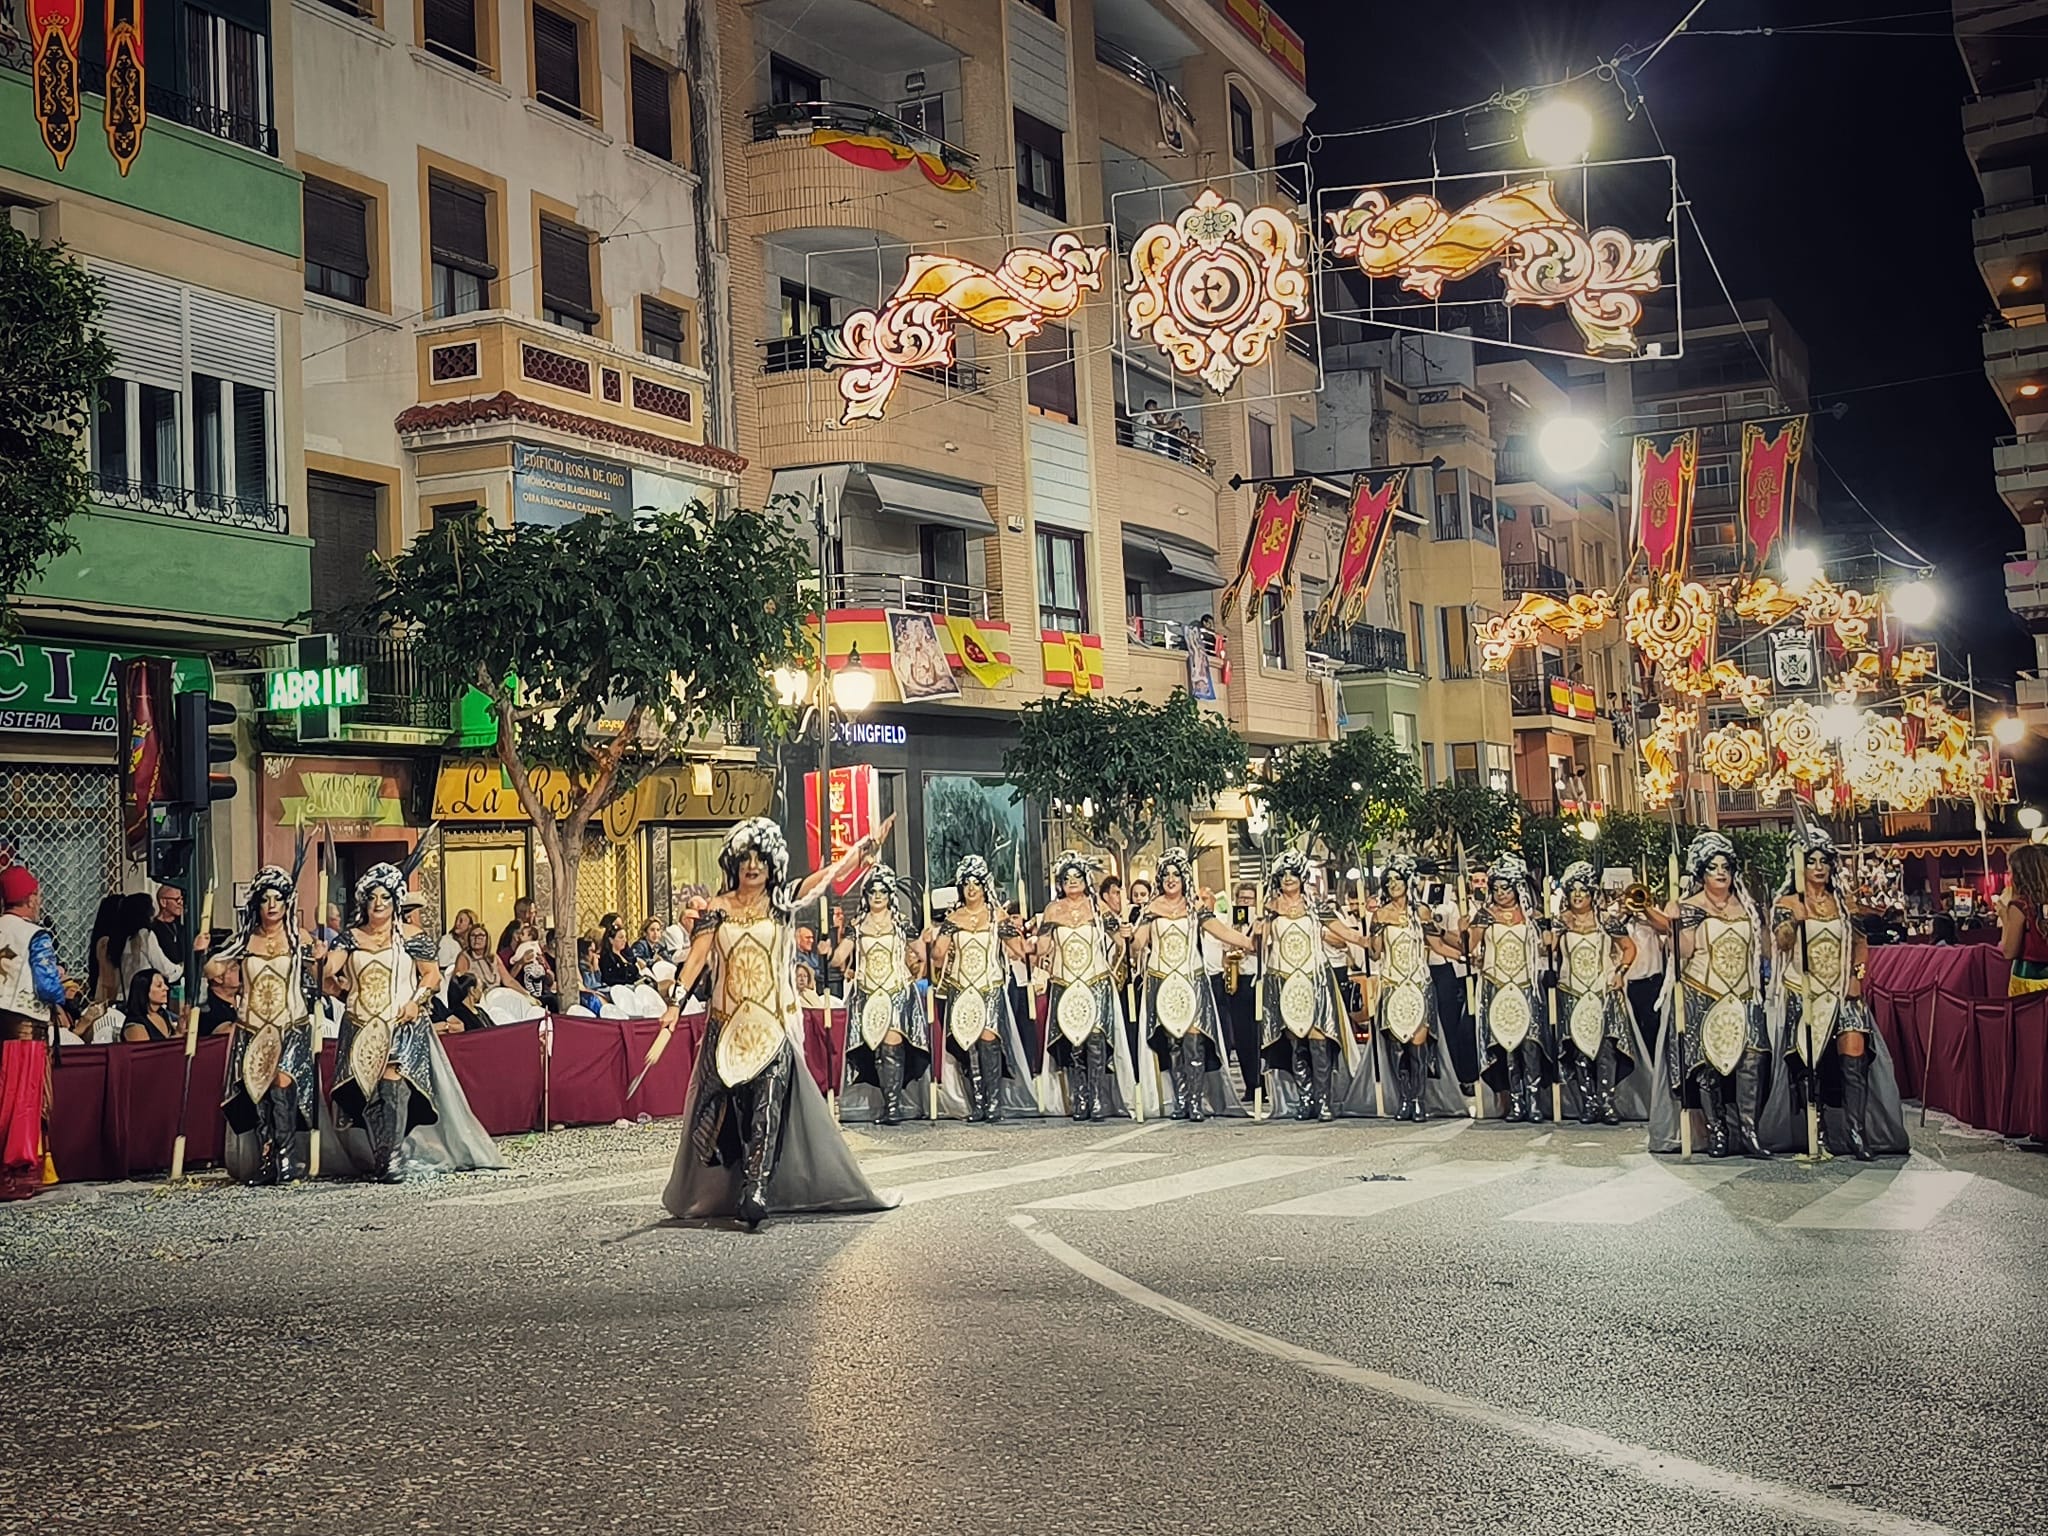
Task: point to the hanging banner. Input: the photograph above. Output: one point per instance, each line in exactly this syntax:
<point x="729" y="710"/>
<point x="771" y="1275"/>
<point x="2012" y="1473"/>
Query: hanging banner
<point x="917" y="658"/>
<point x="1770" y="465"/>
<point x="1666" y="467"/>
<point x="1375" y="498"/>
<point x="1072" y="661"/>
<point x="54" y="27"/>
<point x="855" y="797"/>
<point x="143" y="710"/>
<point x="978" y="652"/>
<point x="1270" y="544"/>
<point x="126" y="82"/>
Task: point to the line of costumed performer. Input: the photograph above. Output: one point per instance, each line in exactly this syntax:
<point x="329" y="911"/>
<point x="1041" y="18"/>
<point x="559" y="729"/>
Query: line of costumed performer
<point x="1714" y="1056"/>
<point x="1410" y="1051"/>
<point x="971" y="949"/>
<point x="1183" y="1026"/>
<point x="31" y="985"/>
<point x="1304" y="1036"/>
<point x="1834" y="1056"/>
<point x="889" y="1043"/>
<point x="1516" y="1040"/>
<point x="1599" y="1043"/>
<point x="271" y="1089"/>
<point x="757" y="1135"/>
<point x="1088" y="1072"/>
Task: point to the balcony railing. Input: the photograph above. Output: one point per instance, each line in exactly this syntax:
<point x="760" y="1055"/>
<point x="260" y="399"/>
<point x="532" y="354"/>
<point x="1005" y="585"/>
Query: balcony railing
<point x="1165" y="441"/>
<point x="250" y="130"/>
<point x="397" y="690"/>
<point x="788" y="119"/>
<point x="1171" y="634"/>
<point x="1141" y="74"/>
<point x="192" y="506"/>
<point x="801" y="354"/>
<point x="1369" y="648"/>
<point x="918" y="594"/>
<point x="1535" y="576"/>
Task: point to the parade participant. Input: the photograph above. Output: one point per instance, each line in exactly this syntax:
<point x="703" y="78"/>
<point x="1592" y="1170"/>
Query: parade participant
<point x="31" y="997"/>
<point x="889" y="1042"/>
<point x="1515" y="1034"/>
<point x="1183" y="1026"/>
<point x="757" y="1135"/>
<point x="1715" y="1057"/>
<point x="1086" y="1062"/>
<point x="1411" y="1051"/>
<point x="270" y="1085"/>
<point x="971" y="950"/>
<point x="1834" y="1056"/>
<point x="1306" y="1044"/>
<point x="1234" y="978"/>
<point x="1598" y="1039"/>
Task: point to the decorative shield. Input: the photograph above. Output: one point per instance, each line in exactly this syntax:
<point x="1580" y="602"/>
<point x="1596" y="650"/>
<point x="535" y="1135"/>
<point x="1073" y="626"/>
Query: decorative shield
<point x="1726" y="1034"/>
<point x="1508" y="1018"/>
<point x="1298" y="1004"/>
<point x="1406" y="1012"/>
<point x="747" y="1045"/>
<point x="368" y="1054"/>
<point x="1078" y="1014"/>
<point x="877" y="1018"/>
<point x="966" y="1018"/>
<point x="1173" y="1005"/>
<point x="259" y="1061"/>
<point x="1589" y="1024"/>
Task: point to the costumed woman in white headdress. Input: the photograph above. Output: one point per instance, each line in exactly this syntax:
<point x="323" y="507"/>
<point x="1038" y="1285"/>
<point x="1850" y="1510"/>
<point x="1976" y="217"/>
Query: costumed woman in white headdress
<point x="1833" y="1053"/>
<point x="1717" y="1054"/>
<point x="1514" y="1024"/>
<point x="1598" y="1047"/>
<point x="271" y="1088"/>
<point x="1304" y="1037"/>
<point x="889" y="1039"/>
<point x="1410" y="1051"/>
<point x="971" y="950"/>
<point x="757" y="1136"/>
<point x="1088" y="1071"/>
<point x="1182" y="1024"/>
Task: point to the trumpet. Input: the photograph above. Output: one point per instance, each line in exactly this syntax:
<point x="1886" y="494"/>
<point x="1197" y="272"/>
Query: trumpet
<point x="1633" y="900"/>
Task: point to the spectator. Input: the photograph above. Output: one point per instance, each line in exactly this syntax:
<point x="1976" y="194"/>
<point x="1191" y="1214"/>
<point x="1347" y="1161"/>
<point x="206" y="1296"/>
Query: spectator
<point x="477" y="971"/>
<point x="1943" y="931"/>
<point x="615" y="963"/>
<point x="522" y="912"/>
<point x="102" y="969"/>
<point x="135" y="942"/>
<point x="809" y="962"/>
<point x="223" y="997"/>
<point x="530" y="971"/>
<point x="169" y="923"/>
<point x="1145" y="426"/>
<point x="145" y="1014"/>
<point x="648" y="948"/>
<point x="456" y="940"/>
<point x="330" y="924"/>
<point x="586" y="966"/>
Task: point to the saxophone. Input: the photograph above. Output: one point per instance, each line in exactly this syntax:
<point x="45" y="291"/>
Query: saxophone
<point x="1233" y="962"/>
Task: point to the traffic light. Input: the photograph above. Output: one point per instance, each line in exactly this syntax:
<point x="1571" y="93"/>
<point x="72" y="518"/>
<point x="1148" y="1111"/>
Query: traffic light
<point x="199" y="748"/>
<point x="170" y="843"/>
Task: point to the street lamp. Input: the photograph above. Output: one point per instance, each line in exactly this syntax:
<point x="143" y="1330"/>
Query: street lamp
<point x="1589" y="829"/>
<point x="1557" y="131"/>
<point x="1802" y="569"/>
<point x="792" y="685"/>
<point x="853" y="685"/>
<point x="1914" y="602"/>
<point x="1568" y="443"/>
<point x="2007" y="730"/>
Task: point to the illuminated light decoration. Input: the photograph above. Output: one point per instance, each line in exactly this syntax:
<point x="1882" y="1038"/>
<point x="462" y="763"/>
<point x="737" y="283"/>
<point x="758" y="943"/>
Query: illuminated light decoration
<point x="1665" y="470"/>
<point x="1821" y="603"/>
<point x="914" y="329"/>
<point x="1375" y="498"/>
<point x="873" y="152"/>
<point x="1660" y="754"/>
<point x="1858" y="678"/>
<point x="1523" y="626"/>
<point x="1770" y="466"/>
<point x="1735" y="755"/>
<point x="1670" y="631"/>
<point x="1725" y="679"/>
<point x="1912" y="664"/>
<point x="1215" y="288"/>
<point x="1270" y="545"/>
<point x="54" y="27"/>
<point x="1546" y="258"/>
<point x="1795" y="734"/>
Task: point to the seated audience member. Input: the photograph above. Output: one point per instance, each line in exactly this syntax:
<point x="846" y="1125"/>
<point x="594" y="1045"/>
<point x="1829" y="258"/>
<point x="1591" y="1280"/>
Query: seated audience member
<point x="146" y="1012"/>
<point x="223" y="995"/>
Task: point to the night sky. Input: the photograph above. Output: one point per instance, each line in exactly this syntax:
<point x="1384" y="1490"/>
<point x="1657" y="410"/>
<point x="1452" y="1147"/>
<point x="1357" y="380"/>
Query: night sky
<point x="1828" y="174"/>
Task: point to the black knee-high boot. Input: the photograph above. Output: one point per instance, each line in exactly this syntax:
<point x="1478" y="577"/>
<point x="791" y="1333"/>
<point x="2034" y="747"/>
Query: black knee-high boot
<point x="1712" y="1107"/>
<point x="1414" y="1079"/>
<point x="394" y="1094"/>
<point x="1582" y="1079"/>
<point x="1855" y="1103"/>
<point x="1603" y="1082"/>
<point x="1194" y="1060"/>
<point x="1322" y="1058"/>
<point x="265" y="1171"/>
<point x="1532" y="1074"/>
<point x="764" y="1135"/>
<point x="1304" y="1080"/>
<point x="889" y="1072"/>
<point x="284" y="1131"/>
<point x="1098" y="1062"/>
<point x="977" y="1096"/>
<point x="1749" y="1093"/>
<point x="991" y="1054"/>
<point x="1518" y="1087"/>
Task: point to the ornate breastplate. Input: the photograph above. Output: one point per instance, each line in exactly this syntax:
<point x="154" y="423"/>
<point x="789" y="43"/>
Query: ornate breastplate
<point x="1077" y="955"/>
<point x="1407" y="954"/>
<point x="270" y="992"/>
<point x="1297" y="945"/>
<point x="976" y="961"/>
<point x="747" y="997"/>
<point x="1176" y="947"/>
<point x="1827" y="955"/>
<point x="1585" y="958"/>
<point x="1721" y="962"/>
<point x="884" y="962"/>
<point x="1507" y="955"/>
<point x="380" y="982"/>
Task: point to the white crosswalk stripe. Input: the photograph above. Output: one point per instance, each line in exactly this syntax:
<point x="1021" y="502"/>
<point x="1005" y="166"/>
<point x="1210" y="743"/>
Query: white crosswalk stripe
<point x="1182" y="1186"/>
<point x="1371" y="1197"/>
<point x="903" y="1162"/>
<point x="1038" y="1172"/>
<point x="1882" y="1200"/>
<point x="1646" y="1189"/>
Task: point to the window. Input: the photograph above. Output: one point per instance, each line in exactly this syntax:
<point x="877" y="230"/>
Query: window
<point x="1273" y="629"/>
<point x="1049" y="386"/>
<point x="1262" y="447"/>
<point x="1429" y="763"/>
<point x="1450" y="508"/>
<point x="1244" y="147"/>
<point x="1418" y="632"/>
<point x="942" y="555"/>
<point x="341" y="515"/>
<point x="565" y="285"/>
<point x="1062" y="581"/>
<point x="230" y="440"/>
<point x="337" y="243"/>
<point x="789" y="82"/>
<point x="1045" y="8"/>
<point x="136" y="437"/>
<point x="652" y="92"/>
<point x="1454" y="628"/>
<point x="558" y="61"/>
<point x="449" y="28"/>
<point x="1499" y="767"/>
<point x="1715" y="475"/>
<point x="664" y="331"/>
<point x="1465" y="762"/>
<point x="924" y="114"/>
<point x="1481" y="503"/>
<point x="227" y="78"/>
<point x="455" y="512"/>
<point x="804" y="310"/>
<point x="459" y="237"/>
<point x="1041" y="167"/>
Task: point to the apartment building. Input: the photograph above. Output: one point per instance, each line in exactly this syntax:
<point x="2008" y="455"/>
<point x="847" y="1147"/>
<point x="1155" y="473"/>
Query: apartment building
<point x="198" y="541"/>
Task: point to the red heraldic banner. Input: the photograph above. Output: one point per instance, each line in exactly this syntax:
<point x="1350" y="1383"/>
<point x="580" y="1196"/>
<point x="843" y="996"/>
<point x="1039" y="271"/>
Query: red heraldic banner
<point x="54" y="27"/>
<point x="1666" y="466"/>
<point x="855" y="794"/>
<point x="142" y="705"/>
<point x="126" y="82"/>
<point x="1770" y="465"/>
<point x="1375" y="498"/>
<point x="1269" y="549"/>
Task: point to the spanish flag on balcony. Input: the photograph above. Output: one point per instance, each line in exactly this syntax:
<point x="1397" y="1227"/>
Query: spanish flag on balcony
<point x="872" y="152"/>
<point x="1072" y="662"/>
<point x="979" y="647"/>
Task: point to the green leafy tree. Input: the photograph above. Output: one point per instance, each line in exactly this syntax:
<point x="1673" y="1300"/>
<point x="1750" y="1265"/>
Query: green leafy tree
<point x="604" y="648"/>
<point x="1125" y="769"/>
<point x="1486" y="821"/>
<point x="56" y="359"/>
<point x="1348" y="797"/>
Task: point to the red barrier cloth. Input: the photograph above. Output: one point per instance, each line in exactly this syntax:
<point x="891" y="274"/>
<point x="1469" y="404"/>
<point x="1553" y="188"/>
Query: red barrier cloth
<point x="1952" y="1081"/>
<point x="114" y="1108"/>
<point x="1901" y="1017"/>
<point x="500" y="1074"/>
<point x="591" y="1069"/>
<point x="2026" y="1108"/>
<point x="825" y="1047"/>
<point x="1964" y="969"/>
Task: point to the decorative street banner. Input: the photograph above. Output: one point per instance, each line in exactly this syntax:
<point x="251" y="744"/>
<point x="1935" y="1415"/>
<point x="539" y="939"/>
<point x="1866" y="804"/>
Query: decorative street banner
<point x="1201" y="667"/>
<point x="1666" y="466"/>
<point x="144" y="709"/>
<point x="54" y="27"/>
<point x="1072" y="661"/>
<point x="126" y="82"/>
<point x="1770" y="466"/>
<point x="979" y="653"/>
<point x="1215" y="288"/>
<point x="1270" y="545"/>
<point x="855" y="796"/>
<point x="1375" y="498"/>
<point x="917" y="658"/>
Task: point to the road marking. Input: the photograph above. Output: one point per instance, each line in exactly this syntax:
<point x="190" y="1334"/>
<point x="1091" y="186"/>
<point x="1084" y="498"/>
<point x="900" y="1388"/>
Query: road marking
<point x="897" y="1162"/>
<point x="1116" y="1141"/>
<point x="1882" y="1200"/>
<point x="559" y="1188"/>
<point x="1371" y="1197"/>
<point x="1179" y="1186"/>
<point x="1799" y="1507"/>
<point x="1431" y="1132"/>
<point x="1023" y="1173"/>
<point x="1647" y="1189"/>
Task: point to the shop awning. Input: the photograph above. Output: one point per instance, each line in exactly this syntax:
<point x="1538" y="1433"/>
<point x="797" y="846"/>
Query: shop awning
<point x="859" y="489"/>
<point x="1184" y="561"/>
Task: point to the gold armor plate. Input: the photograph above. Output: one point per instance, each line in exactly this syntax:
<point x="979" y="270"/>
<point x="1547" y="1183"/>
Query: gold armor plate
<point x="1725" y="1034"/>
<point x="1508" y="1017"/>
<point x="1297" y="947"/>
<point x="877" y="1018"/>
<point x="1173" y="1005"/>
<point x="374" y="992"/>
<point x="1582" y="960"/>
<point x="1824" y="957"/>
<point x="1589" y="1024"/>
<point x="747" y="1045"/>
<point x="1406" y="1012"/>
<point x="1079" y="1014"/>
<point x="1407" y="959"/>
<point x="882" y="964"/>
<point x="1507" y="956"/>
<point x="973" y="964"/>
<point x="966" y="1018"/>
<point x="1728" y="959"/>
<point x="259" y="1061"/>
<point x="1174" y="946"/>
<point x="1078" y="955"/>
<point x="1298" y="1004"/>
<point x="369" y="1053"/>
<point x="267" y="995"/>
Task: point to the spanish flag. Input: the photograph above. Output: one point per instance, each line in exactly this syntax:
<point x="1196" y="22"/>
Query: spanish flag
<point x="977" y="652"/>
<point x="1072" y="661"/>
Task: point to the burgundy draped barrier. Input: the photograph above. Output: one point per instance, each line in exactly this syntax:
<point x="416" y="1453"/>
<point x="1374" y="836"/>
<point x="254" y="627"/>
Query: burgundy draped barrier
<point x="114" y="1108"/>
<point x="1958" y="1043"/>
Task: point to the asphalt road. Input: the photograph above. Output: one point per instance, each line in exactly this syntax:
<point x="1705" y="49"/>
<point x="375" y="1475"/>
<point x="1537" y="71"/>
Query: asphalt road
<point x="1226" y="1328"/>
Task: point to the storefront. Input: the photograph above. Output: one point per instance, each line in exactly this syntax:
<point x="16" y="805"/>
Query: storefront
<point x="353" y="812"/>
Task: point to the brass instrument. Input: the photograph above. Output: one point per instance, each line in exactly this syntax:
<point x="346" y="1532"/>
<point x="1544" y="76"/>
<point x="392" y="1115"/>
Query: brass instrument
<point x="1635" y="899"/>
<point x="1233" y="963"/>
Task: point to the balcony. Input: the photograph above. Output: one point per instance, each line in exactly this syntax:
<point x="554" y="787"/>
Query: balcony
<point x="2022" y="468"/>
<point x="1166" y="442"/>
<point x="1517" y="576"/>
<point x="2010" y="240"/>
<point x="398" y="693"/>
<point x="1153" y="82"/>
<point x="2016" y="360"/>
<point x="2026" y="586"/>
<point x="1554" y="703"/>
<point x="2002" y="120"/>
<point x="800" y="119"/>
<point x="1368" y="648"/>
<point x="804" y="354"/>
<point x="917" y="594"/>
<point x="189" y="505"/>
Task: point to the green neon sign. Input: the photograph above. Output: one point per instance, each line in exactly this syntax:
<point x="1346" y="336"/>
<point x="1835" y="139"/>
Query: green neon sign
<point x="304" y="688"/>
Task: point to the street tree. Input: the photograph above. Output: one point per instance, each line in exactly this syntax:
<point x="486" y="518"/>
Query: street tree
<point x="1485" y="821"/>
<point x="1348" y="797"/>
<point x="50" y="308"/>
<point x="603" y="648"/>
<point x="1123" y="768"/>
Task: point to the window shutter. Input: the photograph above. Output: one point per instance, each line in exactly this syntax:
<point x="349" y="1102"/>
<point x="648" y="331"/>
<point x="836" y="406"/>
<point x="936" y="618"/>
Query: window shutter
<point x="337" y="230"/>
<point x="660" y="322"/>
<point x="556" y="67"/>
<point x="145" y="325"/>
<point x="565" y="269"/>
<point x="342" y="519"/>
<point x="459" y="226"/>
<point x="232" y="340"/>
<point x="653" y="122"/>
<point x="452" y="24"/>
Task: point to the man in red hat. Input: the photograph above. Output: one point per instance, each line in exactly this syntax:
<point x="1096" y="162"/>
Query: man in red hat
<point x="30" y="987"/>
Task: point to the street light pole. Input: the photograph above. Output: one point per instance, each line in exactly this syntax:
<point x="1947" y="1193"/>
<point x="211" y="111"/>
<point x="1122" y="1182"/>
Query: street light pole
<point x="823" y="693"/>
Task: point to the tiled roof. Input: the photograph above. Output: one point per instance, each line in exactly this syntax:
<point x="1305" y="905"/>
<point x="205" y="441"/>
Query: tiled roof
<point x="506" y="406"/>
